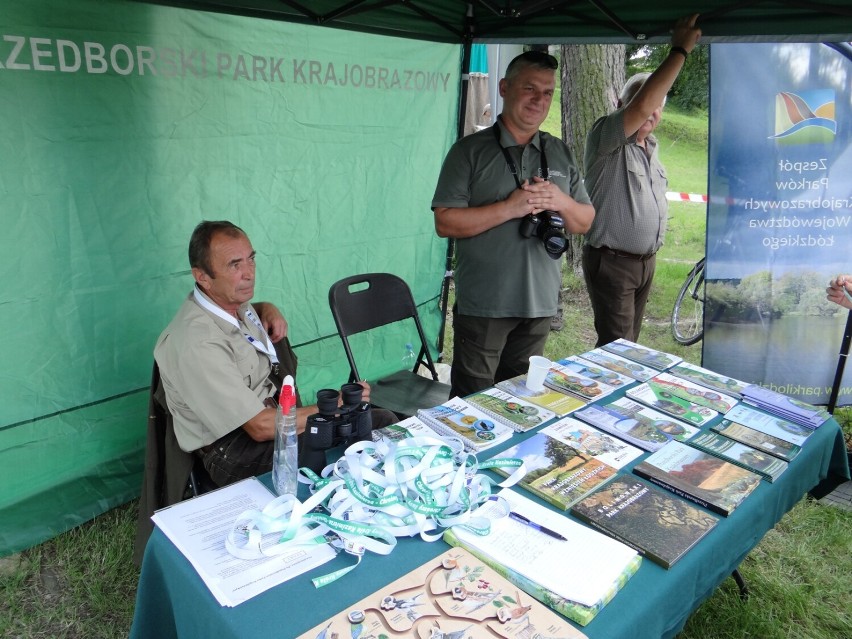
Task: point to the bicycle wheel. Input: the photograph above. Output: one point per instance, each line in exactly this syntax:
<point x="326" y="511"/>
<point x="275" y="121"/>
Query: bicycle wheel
<point x="688" y="312"/>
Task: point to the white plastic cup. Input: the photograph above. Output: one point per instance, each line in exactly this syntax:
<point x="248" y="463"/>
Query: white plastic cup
<point x="538" y="371"/>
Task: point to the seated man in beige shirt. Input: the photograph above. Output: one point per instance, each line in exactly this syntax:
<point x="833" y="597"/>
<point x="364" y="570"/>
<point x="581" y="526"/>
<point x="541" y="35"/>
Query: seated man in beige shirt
<point x="218" y="363"/>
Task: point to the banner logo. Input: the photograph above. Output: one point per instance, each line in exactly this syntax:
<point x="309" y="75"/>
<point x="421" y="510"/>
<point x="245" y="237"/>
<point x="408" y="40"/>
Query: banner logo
<point x="807" y="117"/>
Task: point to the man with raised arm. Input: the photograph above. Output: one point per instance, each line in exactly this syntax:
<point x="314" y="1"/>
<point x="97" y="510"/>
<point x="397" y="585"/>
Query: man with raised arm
<point x="627" y="184"/>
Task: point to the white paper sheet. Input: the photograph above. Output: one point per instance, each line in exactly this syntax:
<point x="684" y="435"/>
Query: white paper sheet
<point x="199" y="526"/>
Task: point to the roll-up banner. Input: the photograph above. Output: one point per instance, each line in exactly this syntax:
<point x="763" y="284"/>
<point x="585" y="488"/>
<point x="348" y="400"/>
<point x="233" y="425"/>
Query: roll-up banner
<point x="780" y="215"/>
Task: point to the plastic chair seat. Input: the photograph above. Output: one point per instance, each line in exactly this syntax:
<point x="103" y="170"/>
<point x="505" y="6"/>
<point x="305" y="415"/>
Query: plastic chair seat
<point x="405" y="392"/>
<point x="363" y="302"/>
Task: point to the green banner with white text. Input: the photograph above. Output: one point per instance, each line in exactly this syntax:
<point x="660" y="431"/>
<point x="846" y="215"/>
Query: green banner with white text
<point x="125" y="124"/>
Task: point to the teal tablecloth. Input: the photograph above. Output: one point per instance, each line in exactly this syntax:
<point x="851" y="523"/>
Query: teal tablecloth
<point x="172" y="601"/>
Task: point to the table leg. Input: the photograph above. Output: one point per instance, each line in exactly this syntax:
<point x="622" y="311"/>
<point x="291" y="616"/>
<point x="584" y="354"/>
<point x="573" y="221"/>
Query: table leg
<point x="741" y="584"/>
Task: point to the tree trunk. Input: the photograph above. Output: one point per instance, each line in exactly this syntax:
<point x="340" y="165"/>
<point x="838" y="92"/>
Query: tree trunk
<point x="592" y="78"/>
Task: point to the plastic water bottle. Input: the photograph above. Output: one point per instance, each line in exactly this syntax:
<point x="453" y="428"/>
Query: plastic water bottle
<point x="409" y="359"/>
<point x="285" y="460"/>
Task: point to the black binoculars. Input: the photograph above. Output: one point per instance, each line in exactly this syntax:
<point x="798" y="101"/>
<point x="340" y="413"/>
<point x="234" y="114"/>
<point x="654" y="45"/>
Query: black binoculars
<point x="341" y="418"/>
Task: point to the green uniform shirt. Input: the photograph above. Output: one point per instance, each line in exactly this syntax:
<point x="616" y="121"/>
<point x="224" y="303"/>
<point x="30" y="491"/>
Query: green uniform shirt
<point x="500" y="273"/>
<point x="628" y="188"/>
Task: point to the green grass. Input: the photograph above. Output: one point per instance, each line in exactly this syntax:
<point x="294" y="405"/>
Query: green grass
<point x="683" y="150"/>
<point x="798" y="580"/>
<point x="82" y="583"/>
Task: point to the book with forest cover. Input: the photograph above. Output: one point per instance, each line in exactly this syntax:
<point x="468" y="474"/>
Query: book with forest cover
<point x="516" y="413"/>
<point x="457" y="418"/>
<point x="769" y="424"/>
<point x="636" y="423"/>
<point x="709" y="379"/>
<point x="564" y="380"/>
<point x="592" y="441"/>
<point x="707" y="480"/>
<point x="692" y="392"/>
<point x="761" y="441"/>
<point x="552" y="400"/>
<point x="619" y="364"/>
<point x="757" y="461"/>
<point x="664" y="401"/>
<point x="642" y="354"/>
<point x="535" y="562"/>
<point x="785" y="406"/>
<point x="655" y="522"/>
<point x="596" y="372"/>
<point x="556" y="471"/>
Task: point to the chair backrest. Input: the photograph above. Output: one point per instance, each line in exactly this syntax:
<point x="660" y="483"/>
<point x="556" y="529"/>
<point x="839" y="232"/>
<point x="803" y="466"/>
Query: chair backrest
<point x="167" y="467"/>
<point x="363" y="302"/>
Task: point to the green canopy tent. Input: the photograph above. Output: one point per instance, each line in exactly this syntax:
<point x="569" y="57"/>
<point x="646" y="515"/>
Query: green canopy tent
<point x="555" y="21"/>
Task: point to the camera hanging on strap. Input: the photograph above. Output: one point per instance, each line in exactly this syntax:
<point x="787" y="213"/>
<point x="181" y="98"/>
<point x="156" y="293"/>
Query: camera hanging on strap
<point x="547" y="226"/>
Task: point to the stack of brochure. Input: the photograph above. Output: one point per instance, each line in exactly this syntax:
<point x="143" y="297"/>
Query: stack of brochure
<point x="565" y="379"/>
<point x="596" y="372"/>
<point x="708" y="378"/>
<point x="407" y="428"/>
<point x="659" y="397"/>
<point x="475" y="428"/>
<point x="552" y="400"/>
<point x="792" y="409"/>
<point x="769" y="424"/>
<point x="636" y="423"/>
<point x="620" y="364"/>
<point x="642" y="354"/>
<point x="692" y="392"/>
<point x="516" y="413"/>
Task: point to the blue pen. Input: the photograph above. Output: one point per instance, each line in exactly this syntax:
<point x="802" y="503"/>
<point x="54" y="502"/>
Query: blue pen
<point x="532" y="524"/>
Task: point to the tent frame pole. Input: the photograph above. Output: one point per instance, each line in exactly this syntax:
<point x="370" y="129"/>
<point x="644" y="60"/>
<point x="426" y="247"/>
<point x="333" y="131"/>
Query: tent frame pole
<point x="467" y="48"/>
<point x="841" y="364"/>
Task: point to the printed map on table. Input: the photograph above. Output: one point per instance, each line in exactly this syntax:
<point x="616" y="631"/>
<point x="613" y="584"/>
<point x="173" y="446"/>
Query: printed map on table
<point x="454" y="596"/>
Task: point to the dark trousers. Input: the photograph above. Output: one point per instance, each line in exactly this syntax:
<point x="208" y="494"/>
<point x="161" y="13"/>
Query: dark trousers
<point x="487" y="350"/>
<point x="237" y="456"/>
<point x="618" y="290"/>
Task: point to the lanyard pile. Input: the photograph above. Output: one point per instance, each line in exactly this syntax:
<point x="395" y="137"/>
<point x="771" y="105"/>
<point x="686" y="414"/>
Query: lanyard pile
<point x="374" y="493"/>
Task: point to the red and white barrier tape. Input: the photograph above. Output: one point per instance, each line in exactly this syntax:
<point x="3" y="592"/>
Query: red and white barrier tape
<point x="686" y="197"/>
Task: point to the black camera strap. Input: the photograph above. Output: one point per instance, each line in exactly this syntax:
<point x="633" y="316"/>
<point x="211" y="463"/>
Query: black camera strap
<point x="514" y="169"/>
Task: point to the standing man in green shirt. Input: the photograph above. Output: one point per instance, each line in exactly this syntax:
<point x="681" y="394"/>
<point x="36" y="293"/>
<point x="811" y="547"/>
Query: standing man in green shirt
<point x="628" y="185"/>
<point x="507" y="282"/>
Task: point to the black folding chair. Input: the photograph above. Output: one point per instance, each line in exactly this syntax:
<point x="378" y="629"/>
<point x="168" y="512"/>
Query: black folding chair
<point x="364" y="302"/>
